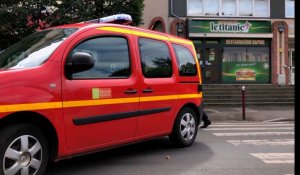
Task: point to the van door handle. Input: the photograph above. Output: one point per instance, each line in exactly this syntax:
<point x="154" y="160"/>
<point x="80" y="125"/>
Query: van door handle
<point x="148" y="90"/>
<point x="130" y="91"/>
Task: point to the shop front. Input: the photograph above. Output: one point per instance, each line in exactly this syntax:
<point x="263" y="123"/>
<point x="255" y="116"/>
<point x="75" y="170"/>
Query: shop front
<point x="232" y="52"/>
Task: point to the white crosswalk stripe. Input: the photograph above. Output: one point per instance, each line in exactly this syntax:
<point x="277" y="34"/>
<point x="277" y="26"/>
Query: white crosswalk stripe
<point x="242" y="131"/>
<point x="251" y="125"/>
<point x="275" y="157"/>
<point x="251" y="128"/>
<point x="254" y="133"/>
<point x="272" y="142"/>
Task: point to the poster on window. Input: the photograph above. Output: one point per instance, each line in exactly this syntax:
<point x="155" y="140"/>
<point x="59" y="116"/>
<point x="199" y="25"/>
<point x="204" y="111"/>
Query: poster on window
<point x="211" y="54"/>
<point x="237" y="72"/>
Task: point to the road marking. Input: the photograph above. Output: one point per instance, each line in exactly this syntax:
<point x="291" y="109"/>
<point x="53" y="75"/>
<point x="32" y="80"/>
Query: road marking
<point x="275" y="157"/>
<point x="245" y="128"/>
<point x="253" y="133"/>
<point x="272" y="142"/>
<point x="251" y="125"/>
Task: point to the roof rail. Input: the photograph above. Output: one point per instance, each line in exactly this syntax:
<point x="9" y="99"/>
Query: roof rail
<point x="124" y="19"/>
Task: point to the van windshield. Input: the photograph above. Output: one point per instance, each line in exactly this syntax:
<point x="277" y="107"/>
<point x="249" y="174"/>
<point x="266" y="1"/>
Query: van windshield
<point x="33" y="50"/>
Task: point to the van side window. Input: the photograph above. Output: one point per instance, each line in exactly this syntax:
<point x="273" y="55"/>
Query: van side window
<point x="155" y="58"/>
<point x="111" y="56"/>
<point x="186" y="61"/>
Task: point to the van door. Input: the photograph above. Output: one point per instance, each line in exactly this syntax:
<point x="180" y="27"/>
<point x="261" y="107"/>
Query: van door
<point x="158" y="101"/>
<point x="101" y="104"/>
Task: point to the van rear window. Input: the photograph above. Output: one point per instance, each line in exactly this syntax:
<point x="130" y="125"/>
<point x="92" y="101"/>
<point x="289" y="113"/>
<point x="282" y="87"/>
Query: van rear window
<point x="186" y="61"/>
<point x="155" y="58"/>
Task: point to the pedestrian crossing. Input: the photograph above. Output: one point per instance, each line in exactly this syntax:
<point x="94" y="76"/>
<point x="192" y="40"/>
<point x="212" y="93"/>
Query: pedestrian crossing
<point x="260" y="137"/>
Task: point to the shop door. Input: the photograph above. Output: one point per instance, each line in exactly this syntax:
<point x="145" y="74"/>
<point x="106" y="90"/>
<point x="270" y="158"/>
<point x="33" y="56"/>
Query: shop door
<point x="292" y="66"/>
<point x="212" y="65"/>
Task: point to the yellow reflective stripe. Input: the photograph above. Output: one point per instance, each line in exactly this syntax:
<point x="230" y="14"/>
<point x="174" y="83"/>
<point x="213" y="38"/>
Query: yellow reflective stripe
<point x="184" y="96"/>
<point x="30" y="106"/>
<point x="82" y="103"/>
<point x="144" y="34"/>
<point x="177" y="40"/>
<point x="198" y="65"/>
<point x="68" y="104"/>
<point x="116" y="29"/>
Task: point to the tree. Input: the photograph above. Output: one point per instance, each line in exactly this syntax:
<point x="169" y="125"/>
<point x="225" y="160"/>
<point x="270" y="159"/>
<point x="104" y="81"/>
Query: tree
<point x="19" y="18"/>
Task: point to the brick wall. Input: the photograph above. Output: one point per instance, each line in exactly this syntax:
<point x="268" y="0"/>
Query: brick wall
<point x="275" y="50"/>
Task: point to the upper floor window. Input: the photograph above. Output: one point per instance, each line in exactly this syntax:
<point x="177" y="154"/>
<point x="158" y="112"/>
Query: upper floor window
<point x="261" y="8"/>
<point x="195" y="7"/>
<point x="229" y="8"/>
<point x="290" y="8"/>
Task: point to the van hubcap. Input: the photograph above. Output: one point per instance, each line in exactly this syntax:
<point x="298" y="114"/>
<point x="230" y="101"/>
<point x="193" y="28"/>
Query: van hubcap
<point x="23" y="156"/>
<point x="187" y="126"/>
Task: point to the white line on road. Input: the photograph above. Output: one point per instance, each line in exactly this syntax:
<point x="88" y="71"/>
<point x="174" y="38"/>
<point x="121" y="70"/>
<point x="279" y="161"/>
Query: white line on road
<point x="275" y="157"/>
<point x="253" y="133"/>
<point x="251" y="125"/>
<point x="272" y="142"/>
<point x="245" y="128"/>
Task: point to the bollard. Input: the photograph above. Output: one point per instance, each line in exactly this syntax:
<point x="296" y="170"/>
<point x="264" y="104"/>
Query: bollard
<point x="243" y="102"/>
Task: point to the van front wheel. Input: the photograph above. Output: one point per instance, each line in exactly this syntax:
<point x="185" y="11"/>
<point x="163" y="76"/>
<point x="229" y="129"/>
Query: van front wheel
<point x="23" y="150"/>
<point x="185" y="128"/>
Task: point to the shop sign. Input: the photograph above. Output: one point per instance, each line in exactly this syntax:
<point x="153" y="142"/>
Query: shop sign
<point x="247" y="42"/>
<point x="237" y="72"/>
<point x="208" y="26"/>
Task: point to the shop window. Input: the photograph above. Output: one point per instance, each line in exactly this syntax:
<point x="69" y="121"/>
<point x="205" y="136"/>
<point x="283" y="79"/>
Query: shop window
<point x="246" y="64"/>
<point x="289" y="8"/>
<point x="261" y="8"/>
<point x="194" y="7"/>
<point x="258" y="54"/>
<point x="234" y="54"/>
<point x="246" y="7"/>
<point x="229" y="7"/>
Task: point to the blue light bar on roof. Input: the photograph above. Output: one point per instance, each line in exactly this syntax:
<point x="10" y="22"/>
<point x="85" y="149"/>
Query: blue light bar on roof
<point x="116" y="18"/>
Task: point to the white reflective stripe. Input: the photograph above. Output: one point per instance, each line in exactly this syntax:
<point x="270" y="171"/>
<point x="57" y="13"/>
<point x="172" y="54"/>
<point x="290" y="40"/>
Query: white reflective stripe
<point x="253" y="133"/>
<point x="272" y="142"/>
<point x="275" y="157"/>
<point x="245" y="128"/>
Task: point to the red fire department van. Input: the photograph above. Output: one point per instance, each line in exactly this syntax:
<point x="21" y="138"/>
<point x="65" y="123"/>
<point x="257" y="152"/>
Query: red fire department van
<point x="79" y="88"/>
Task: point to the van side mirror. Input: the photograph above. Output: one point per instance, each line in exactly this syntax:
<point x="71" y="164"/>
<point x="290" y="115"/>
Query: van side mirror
<point x="79" y="62"/>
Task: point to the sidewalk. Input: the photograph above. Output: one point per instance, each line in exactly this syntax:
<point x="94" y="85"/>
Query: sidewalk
<point x="253" y="113"/>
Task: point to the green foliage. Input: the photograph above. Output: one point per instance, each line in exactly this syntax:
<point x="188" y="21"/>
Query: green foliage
<point x="19" y="18"/>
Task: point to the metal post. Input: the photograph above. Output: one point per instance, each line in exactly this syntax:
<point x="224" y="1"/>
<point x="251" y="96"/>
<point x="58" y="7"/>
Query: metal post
<point x="243" y="102"/>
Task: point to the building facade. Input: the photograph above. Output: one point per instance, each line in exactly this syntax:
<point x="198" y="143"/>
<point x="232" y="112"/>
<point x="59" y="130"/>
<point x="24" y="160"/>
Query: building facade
<point x="237" y="41"/>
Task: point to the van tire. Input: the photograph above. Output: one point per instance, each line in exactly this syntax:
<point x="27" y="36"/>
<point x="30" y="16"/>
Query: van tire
<point x="23" y="147"/>
<point x="185" y="128"/>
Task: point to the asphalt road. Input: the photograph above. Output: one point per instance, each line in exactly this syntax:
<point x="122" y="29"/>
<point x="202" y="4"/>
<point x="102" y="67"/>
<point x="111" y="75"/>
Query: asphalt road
<point x="241" y="148"/>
